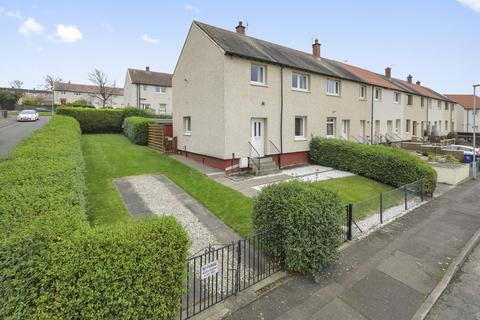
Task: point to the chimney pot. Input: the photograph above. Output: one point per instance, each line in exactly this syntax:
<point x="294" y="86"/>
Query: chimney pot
<point x="240" y="28"/>
<point x="418" y="83"/>
<point x="316" y="48"/>
<point x="409" y="78"/>
<point x="147" y="68"/>
<point x="388" y="72"/>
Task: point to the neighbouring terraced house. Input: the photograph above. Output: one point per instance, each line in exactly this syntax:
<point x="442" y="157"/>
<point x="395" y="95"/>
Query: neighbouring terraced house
<point x="464" y="107"/>
<point x="67" y="92"/>
<point x="237" y="97"/>
<point x="149" y="90"/>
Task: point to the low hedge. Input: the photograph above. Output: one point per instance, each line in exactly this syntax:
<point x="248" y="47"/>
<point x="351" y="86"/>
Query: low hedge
<point x="136" y="129"/>
<point x="95" y="120"/>
<point x="395" y="167"/>
<point x="300" y="223"/>
<point x="136" y="112"/>
<point x="54" y="265"/>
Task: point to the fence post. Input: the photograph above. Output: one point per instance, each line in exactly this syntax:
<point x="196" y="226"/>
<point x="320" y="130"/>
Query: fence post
<point x="422" y="190"/>
<point x="349" y="221"/>
<point x="405" y="190"/>
<point x="381" y="207"/>
<point x="237" y="272"/>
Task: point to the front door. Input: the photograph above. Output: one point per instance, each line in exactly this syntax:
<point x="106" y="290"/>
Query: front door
<point x="257" y="137"/>
<point x="345" y="129"/>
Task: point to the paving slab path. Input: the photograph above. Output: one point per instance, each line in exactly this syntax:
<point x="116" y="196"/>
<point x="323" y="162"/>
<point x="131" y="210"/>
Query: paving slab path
<point x="388" y="274"/>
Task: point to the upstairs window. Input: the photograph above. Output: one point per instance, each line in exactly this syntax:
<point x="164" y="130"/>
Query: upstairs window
<point x="333" y="87"/>
<point x="446" y="106"/>
<point x="363" y="92"/>
<point x="160" y="89"/>
<point x="378" y="94"/>
<point x="409" y="99"/>
<point x="422" y="102"/>
<point x="144" y="88"/>
<point x="76" y="93"/>
<point x="396" y="97"/>
<point x="300" y="82"/>
<point x="257" y="74"/>
<point x="440" y="105"/>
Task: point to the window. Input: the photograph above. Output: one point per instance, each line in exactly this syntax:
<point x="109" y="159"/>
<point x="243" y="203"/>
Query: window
<point x="76" y="93"/>
<point x="452" y="126"/>
<point x="407" y="126"/>
<point x="422" y="102"/>
<point x="160" y="89"/>
<point x="414" y="128"/>
<point x="257" y="74"/>
<point x="446" y="125"/>
<point x="446" y="106"/>
<point x="145" y="106"/>
<point x="378" y="94"/>
<point x="440" y="105"/>
<point x="409" y="99"/>
<point x="429" y="103"/>
<point x="333" y="87"/>
<point x="330" y="127"/>
<point x="63" y="92"/>
<point x="397" y="126"/>
<point x="144" y="88"/>
<point x="396" y="97"/>
<point x="363" y="92"/>
<point x="162" y="108"/>
<point x="187" y="125"/>
<point x="299" y="127"/>
<point x="300" y="82"/>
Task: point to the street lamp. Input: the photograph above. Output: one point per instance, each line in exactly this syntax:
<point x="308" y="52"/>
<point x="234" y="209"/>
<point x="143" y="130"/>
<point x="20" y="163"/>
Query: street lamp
<point x="474" y="131"/>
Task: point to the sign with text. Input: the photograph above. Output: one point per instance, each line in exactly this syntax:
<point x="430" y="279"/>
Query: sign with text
<point x="208" y="270"/>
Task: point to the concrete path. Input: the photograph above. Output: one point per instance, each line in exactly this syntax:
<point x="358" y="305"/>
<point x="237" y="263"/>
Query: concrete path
<point x="12" y="132"/>
<point x="461" y="299"/>
<point x="386" y="275"/>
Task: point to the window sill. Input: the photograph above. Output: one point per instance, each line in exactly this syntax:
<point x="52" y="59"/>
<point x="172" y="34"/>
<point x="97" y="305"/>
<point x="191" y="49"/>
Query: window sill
<point x="258" y="84"/>
<point x="333" y="95"/>
<point x="362" y="99"/>
<point x="300" y="139"/>
<point x="187" y="133"/>
<point x="330" y="137"/>
<point x="300" y="90"/>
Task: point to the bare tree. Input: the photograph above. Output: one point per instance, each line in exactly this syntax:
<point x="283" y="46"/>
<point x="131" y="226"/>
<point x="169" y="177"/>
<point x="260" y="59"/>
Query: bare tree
<point x="16" y="84"/>
<point x="105" y="88"/>
<point x="48" y="82"/>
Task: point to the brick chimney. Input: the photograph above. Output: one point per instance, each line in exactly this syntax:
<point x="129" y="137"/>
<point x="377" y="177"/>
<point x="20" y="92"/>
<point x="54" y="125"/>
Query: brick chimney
<point x="418" y="83"/>
<point x="388" y="72"/>
<point x="147" y="68"/>
<point x="240" y="28"/>
<point x="316" y="48"/>
<point x="409" y="78"/>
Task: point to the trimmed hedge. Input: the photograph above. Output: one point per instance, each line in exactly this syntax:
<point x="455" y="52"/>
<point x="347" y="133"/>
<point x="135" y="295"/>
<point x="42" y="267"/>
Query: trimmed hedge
<point x="136" y="129"/>
<point x="391" y="166"/>
<point x="136" y="112"/>
<point x="300" y="223"/>
<point x="95" y="120"/>
<point x="54" y="265"/>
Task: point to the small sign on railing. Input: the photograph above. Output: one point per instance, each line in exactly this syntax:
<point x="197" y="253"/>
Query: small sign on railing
<point x="208" y="270"/>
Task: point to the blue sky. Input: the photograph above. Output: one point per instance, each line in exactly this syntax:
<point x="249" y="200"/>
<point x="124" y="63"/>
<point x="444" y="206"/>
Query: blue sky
<point x="437" y="41"/>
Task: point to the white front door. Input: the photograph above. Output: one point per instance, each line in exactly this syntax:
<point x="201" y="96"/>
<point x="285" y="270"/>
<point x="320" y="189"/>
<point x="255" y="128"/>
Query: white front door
<point x="345" y="129"/>
<point x="257" y="137"/>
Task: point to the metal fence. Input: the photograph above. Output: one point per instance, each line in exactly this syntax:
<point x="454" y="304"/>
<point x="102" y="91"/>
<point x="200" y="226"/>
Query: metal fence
<point x="364" y="215"/>
<point x="222" y="271"/>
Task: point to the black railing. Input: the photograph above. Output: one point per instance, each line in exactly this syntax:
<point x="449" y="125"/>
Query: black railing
<point x="221" y="272"/>
<point x="278" y="152"/>
<point x="257" y="158"/>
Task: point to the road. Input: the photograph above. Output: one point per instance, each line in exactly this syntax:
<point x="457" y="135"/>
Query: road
<point x="461" y="299"/>
<point x="12" y="133"/>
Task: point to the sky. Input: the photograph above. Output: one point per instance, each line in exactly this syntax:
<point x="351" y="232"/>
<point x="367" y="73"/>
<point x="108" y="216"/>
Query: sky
<point x="437" y="41"/>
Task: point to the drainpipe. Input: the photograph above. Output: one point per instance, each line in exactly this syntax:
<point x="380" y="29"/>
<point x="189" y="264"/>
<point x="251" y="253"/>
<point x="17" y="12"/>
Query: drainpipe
<point x="428" y="126"/>
<point x="281" y="115"/>
<point x="371" y="117"/>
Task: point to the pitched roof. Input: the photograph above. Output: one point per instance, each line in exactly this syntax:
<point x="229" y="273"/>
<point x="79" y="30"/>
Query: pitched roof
<point x="84" y="88"/>
<point x="465" y="100"/>
<point x="249" y="47"/>
<point x="150" y="77"/>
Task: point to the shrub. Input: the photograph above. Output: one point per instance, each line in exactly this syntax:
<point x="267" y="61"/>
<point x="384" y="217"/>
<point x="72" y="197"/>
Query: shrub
<point x="79" y="104"/>
<point x="136" y="129"/>
<point x="136" y="112"/>
<point x="300" y="222"/>
<point x="395" y="167"/>
<point x="95" y="120"/>
<point x="54" y="265"/>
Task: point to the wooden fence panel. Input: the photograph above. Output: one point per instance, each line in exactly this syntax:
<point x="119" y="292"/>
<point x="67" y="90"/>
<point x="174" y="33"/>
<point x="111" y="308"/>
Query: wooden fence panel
<point x="156" y="138"/>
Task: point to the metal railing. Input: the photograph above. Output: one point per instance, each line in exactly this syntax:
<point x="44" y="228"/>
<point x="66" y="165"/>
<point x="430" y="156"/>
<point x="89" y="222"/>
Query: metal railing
<point x="257" y="165"/>
<point x="278" y="153"/>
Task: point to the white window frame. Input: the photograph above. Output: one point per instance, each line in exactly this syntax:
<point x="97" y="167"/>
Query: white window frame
<point x="336" y="85"/>
<point x="187" y="125"/>
<point x="160" y="89"/>
<point x="298" y="76"/>
<point x="379" y="91"/>
<point x="395" y="95"/>
<point x="303" y="128"/>
<point x="144" y="87"/>
<point x="331" y="121"/>
<point x="263" y="73"/>
<point x="162" y="110"/>
<point x="363" y="92"/>
<point x="422" y="102"/>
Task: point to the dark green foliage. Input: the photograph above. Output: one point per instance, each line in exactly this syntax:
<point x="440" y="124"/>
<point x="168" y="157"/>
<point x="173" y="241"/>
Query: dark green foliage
<point x="136" y="112"/>
<point x="79" y="104"/>
<point x="136" y="129"/>
<point x="301" y="224"/>
<point x="54" y="265"/>
<point x="8" y="99"/>
<point x="452" y="135"/>
<point x="391" y="166"/>
<point x="95" y="120"/>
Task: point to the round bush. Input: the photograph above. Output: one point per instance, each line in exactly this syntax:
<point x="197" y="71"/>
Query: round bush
<point x="301" y="225"/>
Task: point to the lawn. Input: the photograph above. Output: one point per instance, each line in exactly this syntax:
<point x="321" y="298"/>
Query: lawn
<point x="109" y="156"/>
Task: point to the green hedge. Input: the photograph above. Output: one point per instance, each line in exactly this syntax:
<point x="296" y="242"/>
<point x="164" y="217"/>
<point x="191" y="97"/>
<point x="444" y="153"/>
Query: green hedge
<point x="95" y="120"/>
<point x="54" y="265"/>
<point x="391" y="166"/>
<point x="300" y="223"/>
<point x="136" y="112"/>
<point x="136" y="129"/>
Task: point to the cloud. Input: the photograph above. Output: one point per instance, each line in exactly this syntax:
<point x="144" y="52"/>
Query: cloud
<point x="15" y="15"/>
<point x="30" y="27"/>
<point x="146" y="38"/>
<point x="68" y="33"/>
<point x="472" y="4"/>
<point x="2" y="9"/>
<point x="191" y="8"/>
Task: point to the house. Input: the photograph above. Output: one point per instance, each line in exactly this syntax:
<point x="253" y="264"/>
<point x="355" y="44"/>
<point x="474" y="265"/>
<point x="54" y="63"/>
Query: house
<point x="149" y="90"/>
<point x="67" y="92"/>
<point x="464" y="106"/>
<point x="236" y="97"/>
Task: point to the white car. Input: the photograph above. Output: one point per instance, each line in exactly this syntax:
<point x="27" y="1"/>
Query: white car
<point x="28" y="115"/>
<point x="466" y="149"/>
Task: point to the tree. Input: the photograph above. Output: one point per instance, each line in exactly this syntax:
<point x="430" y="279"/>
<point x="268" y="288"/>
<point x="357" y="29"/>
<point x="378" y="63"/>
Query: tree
<point x="104" y="87"/>
<point x="16" y="84"/>
<point x="48" y="82"/>
<point x="8" y="99"/>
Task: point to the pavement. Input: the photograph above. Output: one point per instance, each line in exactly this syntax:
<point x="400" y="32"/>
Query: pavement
<point x="12" y="132"/>
<point x="388" y="274"/>
<point x="461" y="299"/>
